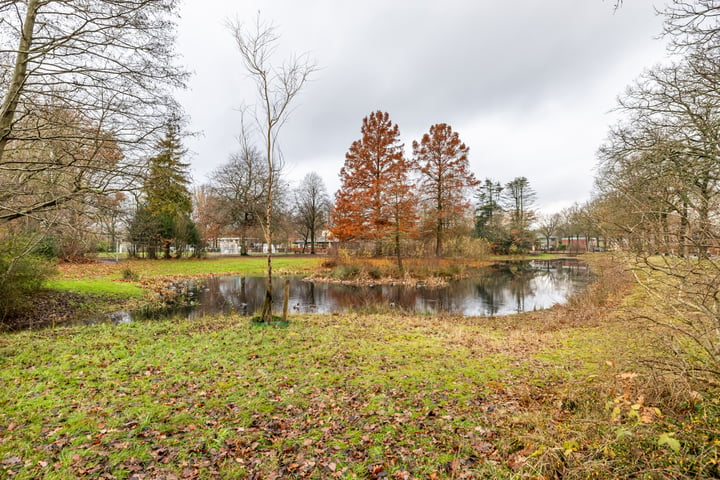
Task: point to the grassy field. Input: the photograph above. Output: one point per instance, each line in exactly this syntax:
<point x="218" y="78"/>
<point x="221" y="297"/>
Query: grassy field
<point x="553" y="394"/>
<point x="127" y="278"/>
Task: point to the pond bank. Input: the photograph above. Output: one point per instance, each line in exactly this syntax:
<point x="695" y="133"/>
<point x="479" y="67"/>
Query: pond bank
<point x="161" y="287"/>
<point x="496" y="290"/>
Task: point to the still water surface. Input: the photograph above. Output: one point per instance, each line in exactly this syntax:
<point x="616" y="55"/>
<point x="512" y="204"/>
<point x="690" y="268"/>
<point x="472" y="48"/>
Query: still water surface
<point x="501" y="289"/>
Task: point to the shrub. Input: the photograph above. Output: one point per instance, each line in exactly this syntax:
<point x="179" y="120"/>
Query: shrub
<point x="452" y="269"/>
<point x="22" y="273"/>
<point x="375" y="272"/>
<point x="683" y="301"/>
<point x="128" y="274"/>
<point x="466" y="247"/>
<point x="330" y="262"/>
<point x="345" y="272"/>
<point x="47" y="248"/>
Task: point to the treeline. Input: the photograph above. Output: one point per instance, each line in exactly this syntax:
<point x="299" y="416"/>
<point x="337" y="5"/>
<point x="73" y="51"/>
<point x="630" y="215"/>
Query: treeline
<point x="388" y="203"/>
<point x="86" y="94"/>
<point x="658" y="190"/>
<point x="428" y="204"/>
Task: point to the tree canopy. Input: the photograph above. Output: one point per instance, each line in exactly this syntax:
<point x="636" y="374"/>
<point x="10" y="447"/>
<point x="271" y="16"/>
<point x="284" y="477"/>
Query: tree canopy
<point x="445" y="179"/>
<point x="374" y="200"/>
<point x="84" y="77"/>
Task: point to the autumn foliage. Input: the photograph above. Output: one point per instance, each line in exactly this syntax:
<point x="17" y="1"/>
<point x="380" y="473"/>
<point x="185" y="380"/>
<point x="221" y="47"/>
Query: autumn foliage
<point x="442" y="160"/>
<point x="375" y="201"/>
<point x="383" y="194"/>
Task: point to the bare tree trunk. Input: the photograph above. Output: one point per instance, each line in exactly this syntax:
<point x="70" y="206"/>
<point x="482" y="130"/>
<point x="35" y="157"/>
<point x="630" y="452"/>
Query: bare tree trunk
<point x="277" y="87"/>
<point x="286" y="298"/>
<point x="12" y="97"/>
<point x="439" y="237"/>
<point x="397" y="248"/>
<point x="266" y="315"/>
<point x="243" y="240"/>
<point x="312" y="242"/>
<point x="684" y="231"/>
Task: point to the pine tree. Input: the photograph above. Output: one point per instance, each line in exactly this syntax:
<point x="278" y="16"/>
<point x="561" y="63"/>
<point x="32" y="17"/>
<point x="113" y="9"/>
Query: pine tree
<point x="167" y="198"/>
<point x="488" y="211"/>
<point x="489" y="216"/>
<point x="519" y="201"/>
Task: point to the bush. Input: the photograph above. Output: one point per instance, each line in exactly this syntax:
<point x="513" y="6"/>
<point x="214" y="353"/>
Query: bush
<point x="375" y="272"/>
<point x="22" y="273"/>
<point x="129" y="275"/>
<point x="683" y="300"/>
<point x="345" y="272"/>
<point x="47" y="248"/>
<point x="466" y="247"/>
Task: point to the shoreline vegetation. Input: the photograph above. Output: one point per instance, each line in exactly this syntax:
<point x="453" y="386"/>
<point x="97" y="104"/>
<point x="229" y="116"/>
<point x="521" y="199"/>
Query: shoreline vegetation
<point x="81" y="289"/>
<point x="426" y="272"/>
<point x="566" y="392"/>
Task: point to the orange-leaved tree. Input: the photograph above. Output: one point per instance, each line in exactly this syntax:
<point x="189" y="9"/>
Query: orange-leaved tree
<point x="375" y="199"/>
<point x="445" y="180"/>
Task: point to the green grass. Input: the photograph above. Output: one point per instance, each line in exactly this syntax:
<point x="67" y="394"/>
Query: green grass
<point x="328" y="396"/>
<point x="107" y="279"/>
<point x="216" y="266"/>
<point x="347" y="393"/>
<point x="527" y="256"/>
<point x="97" y="286"/>
<point x="189" y="267"/>
<point x="538" y="395"/>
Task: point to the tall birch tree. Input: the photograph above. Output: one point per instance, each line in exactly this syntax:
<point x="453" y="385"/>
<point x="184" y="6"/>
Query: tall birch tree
<point x="277" y="85"/>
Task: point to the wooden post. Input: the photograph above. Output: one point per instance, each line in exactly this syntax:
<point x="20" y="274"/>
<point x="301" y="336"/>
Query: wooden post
<point x="286" y="298"/>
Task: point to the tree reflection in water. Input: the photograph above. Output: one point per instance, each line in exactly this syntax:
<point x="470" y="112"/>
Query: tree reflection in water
<point x="501" y="289"/>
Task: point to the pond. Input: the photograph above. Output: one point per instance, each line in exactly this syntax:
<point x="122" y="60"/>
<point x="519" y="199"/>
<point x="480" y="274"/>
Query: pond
<point x="501" y="289"/>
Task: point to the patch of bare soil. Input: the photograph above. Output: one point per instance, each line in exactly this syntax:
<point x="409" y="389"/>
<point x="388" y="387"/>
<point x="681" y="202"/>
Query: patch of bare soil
<point x="46" y="308"/>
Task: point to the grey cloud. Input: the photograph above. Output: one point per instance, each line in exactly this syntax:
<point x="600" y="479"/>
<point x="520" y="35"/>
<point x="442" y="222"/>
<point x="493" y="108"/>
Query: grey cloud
<point x="426" y="62"/>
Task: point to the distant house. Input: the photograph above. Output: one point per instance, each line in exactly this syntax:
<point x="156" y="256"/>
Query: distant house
<point x="322" y="243"/>
<point x="233" y="245"/>
<point x="570" y="244"/>
<point x="544" y="243"/>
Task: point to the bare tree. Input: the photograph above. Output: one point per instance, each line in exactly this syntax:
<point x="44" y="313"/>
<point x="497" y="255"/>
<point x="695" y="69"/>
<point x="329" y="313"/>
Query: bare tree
<point x="689" y="23"/>
<point x="662" y="164"/>
<point x="693" y="23"/>
<point x="548" y="226"/>
<point x="312" y="207"/>
<point x="241" y="185"/>
<point x="664" y="159"/>
<point x="79" y="79"/>
<point x="208" y="214"/>
<point x="277" y="87"/>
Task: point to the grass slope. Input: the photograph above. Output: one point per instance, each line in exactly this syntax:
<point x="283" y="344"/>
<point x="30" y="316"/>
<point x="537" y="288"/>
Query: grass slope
<point x="552" y="394"/>
<point x="328" y="395"/>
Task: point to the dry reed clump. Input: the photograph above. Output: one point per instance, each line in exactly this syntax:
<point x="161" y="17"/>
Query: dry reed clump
<point x="613" y="279"/>
<point x="430" y="272"/>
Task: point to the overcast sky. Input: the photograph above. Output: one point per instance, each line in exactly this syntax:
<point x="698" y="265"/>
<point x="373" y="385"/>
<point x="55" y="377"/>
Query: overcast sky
<point x="528" y="85"/>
